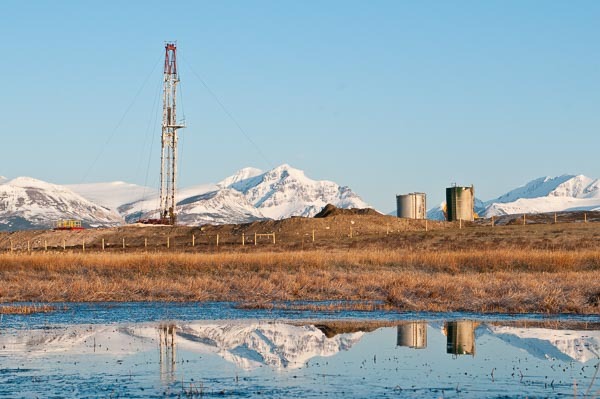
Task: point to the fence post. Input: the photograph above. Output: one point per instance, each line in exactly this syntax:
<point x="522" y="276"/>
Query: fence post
<point x="255" y="238"/>
<point x="123" y="242"/>
<point x="313" y="235"/>
<point x="145" y="243"/>
<point x="193" y="240"/>
<point x="460" y="223"/>
<point x="168" y="242"/>
<point x="28" y="247"/>
<point x="83" y="245"/>
<point x="11" y="245"/>
<point x="585" y="218"/>
<point x="64" y="245"/>
<point x="217" y="239"/>
<point x="524" y="220"/>
<point x="273" y="237"/>
<point x="554" y="217"/>
<point x="426" y="227"/>
<point x="103" y="244"/>
<point x="243" y="239"/>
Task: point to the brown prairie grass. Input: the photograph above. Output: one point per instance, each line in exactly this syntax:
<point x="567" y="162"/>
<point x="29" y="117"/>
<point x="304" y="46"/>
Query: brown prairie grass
<point x="26" y="309"/>
<point x="471" y="280"/>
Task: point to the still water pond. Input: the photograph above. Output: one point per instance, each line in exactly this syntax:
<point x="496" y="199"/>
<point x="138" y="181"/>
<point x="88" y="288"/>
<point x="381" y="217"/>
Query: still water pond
<point x="214" y="349"/>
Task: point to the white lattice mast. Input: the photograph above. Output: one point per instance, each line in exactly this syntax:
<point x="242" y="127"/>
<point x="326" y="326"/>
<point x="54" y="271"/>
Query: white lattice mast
<point x="168" y="157"/>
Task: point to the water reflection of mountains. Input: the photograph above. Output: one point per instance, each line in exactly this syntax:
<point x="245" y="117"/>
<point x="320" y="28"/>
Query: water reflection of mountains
<point x="282" y="345"/>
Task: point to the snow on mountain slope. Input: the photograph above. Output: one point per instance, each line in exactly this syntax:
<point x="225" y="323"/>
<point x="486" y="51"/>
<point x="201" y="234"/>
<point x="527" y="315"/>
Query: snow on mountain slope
<point x="111" y="194"/>
<point x="147" y="207"/>
<point x="284" y="191"/>
<point x="3" y="179"/>
<point x="580" y="346"/>
<point x="251" y="345"/>
<point x="536" y="188"/>
<point x="30" y="203"/>
<point x="217" y="207"/>
<point x="578" y="187"/>
<point x="249" y="195"/>
<point x="542" y="205"/>
<point x="241" y="175"/>
<point x="246" y="196"/>
<point x="548" y="194"/>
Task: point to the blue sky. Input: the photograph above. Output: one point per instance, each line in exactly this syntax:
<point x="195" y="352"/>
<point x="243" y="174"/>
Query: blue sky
<point x="385" y="97"/>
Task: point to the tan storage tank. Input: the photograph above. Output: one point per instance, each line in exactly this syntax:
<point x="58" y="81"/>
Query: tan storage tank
<point x="411" y="206"/>
<point x="412" y="335"/>
<point x="460" y="202"/>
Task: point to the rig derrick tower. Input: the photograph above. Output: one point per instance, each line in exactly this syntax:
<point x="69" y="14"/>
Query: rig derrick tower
<point x="168" y="156"/>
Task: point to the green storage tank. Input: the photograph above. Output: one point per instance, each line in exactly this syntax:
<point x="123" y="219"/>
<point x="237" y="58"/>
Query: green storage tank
<point x="460" y="202"/>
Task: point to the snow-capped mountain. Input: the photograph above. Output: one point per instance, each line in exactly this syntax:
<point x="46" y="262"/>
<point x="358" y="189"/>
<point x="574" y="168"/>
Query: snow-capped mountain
<point x="246" y="196"/>
<point x="548" y="194"/>
<point x="215" y="207"/>
<point x="29" y="203"/>
<point x="541" y="187"/>
<point x="249" y="195"/>
<point x="283" y="192"/>
<point x="545" y="194"/>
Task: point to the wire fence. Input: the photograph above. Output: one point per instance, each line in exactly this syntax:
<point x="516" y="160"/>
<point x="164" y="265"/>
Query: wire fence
<point x="196" y="240"/>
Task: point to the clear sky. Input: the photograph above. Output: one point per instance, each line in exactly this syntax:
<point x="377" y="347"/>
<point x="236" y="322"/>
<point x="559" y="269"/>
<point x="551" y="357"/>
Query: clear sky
<point x="386" y="97"/>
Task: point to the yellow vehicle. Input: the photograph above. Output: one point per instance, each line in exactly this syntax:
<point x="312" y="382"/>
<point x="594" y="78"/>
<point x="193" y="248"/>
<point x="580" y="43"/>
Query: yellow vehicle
<point x="68" y="224"/>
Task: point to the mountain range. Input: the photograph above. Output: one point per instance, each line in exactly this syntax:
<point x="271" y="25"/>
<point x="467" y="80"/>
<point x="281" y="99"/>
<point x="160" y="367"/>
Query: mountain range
<point x="249" y="195"/>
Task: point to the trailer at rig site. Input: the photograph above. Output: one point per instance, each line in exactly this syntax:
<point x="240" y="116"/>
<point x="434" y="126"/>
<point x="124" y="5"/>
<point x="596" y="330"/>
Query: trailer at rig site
<point x="68" y="224"/>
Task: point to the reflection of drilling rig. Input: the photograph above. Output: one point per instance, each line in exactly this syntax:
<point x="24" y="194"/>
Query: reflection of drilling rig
<point x="412" y="335"/>
<point x="168" y="354"/>
<point x="460" y="337"/>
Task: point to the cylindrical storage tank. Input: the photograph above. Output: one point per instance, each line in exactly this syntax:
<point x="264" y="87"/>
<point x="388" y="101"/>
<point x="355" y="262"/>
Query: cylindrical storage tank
<point x="460" y="202"/>
<point x="460" y="337"/>
<point x="411" y="206"/>
<point x="412" y="335"/>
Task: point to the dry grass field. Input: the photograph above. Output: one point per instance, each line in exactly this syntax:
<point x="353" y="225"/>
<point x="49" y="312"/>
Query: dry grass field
<point x="477" y="280"/>
<point x="549" y="268"/>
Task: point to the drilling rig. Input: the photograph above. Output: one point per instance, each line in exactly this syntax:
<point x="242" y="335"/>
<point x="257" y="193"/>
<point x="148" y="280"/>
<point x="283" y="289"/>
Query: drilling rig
<point x="168" y="156"/>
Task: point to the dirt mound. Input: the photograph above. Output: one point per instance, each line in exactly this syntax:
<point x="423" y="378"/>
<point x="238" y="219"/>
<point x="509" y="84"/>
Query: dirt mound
<point x="331" y="210"/>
